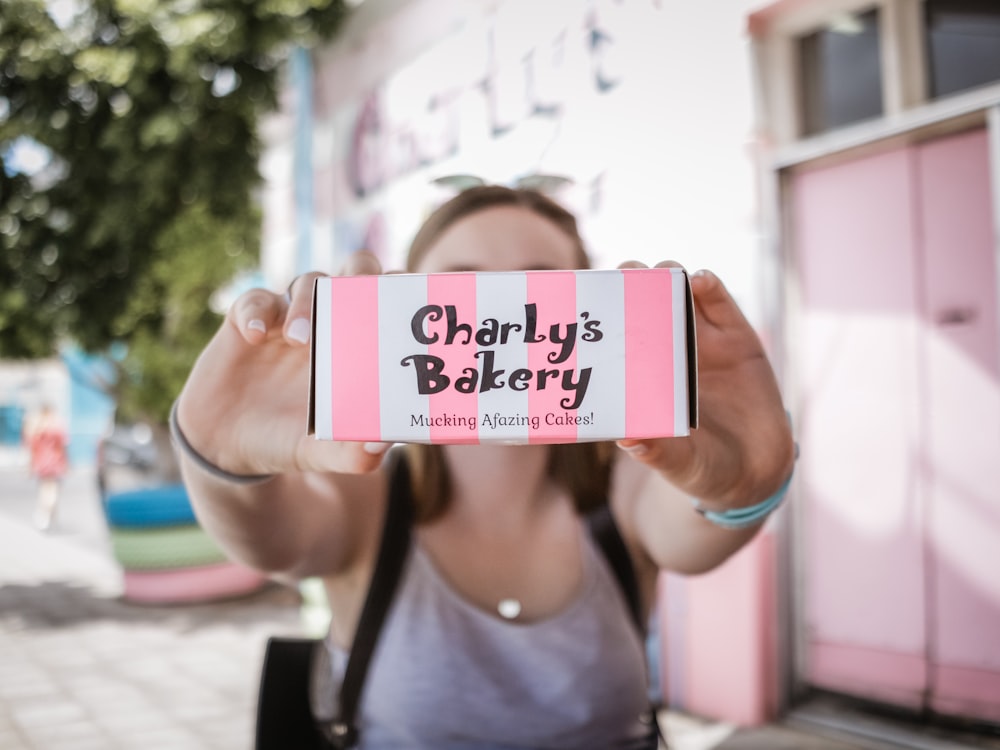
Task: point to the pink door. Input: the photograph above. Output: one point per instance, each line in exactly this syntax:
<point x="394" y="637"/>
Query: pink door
<point x="962" y="424"/>
<point x="897" y="362"/>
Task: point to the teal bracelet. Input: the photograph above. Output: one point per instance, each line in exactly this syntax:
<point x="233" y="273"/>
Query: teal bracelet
<point x="741" y="518"/>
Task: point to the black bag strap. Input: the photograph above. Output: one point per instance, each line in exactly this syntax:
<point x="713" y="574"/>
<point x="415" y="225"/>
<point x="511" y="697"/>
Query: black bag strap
<point x="394" y="547"/>
<point x="605" y="532"/>
<point x="284" y="715"/>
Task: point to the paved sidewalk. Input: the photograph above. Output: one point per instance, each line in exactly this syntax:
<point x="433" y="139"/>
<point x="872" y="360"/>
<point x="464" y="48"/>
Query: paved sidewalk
<point x="82" y="669"/>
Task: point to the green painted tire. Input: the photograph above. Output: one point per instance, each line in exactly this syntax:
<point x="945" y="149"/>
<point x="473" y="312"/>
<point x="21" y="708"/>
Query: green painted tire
<point x="164" y="548"/>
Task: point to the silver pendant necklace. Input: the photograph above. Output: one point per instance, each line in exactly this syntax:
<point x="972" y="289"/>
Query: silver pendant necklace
<point x="509" y="609"/>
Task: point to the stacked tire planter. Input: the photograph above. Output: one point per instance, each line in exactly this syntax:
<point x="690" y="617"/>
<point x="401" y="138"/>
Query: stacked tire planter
<point x="165" y="555"/>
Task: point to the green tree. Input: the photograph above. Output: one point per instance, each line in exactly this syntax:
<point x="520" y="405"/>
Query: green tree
<point x="128" y="168"/>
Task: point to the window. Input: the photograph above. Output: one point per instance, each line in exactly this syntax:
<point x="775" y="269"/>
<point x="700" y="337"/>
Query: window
<point x="841" y="70"/>
<point x="963" y="44"/>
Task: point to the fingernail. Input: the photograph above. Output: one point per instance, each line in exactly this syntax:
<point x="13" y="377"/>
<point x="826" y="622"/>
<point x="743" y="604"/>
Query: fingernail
<point x="636" y="450"/>
<point x="257" y="325"/>
<point x="299" y="330"/>
<point x="700" y="272"/>
<point x="376" y="448"/>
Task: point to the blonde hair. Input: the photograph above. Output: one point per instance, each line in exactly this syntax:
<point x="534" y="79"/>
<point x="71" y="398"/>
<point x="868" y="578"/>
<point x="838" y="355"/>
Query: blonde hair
<point x="582" y="468"/>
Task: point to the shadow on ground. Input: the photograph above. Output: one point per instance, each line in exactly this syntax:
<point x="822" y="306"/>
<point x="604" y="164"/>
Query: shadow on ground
<point x="59" y="604"/>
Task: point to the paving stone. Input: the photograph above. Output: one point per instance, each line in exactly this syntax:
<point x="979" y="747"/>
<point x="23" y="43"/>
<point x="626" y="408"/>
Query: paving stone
<point x="77" y="743"/>
<point x="67" y="733"/>
<point x="27" y="683"/>
<point x="174" y="738"/>
<point x="229" y="732"/>
<point x="10" y="740"/>
<point x="51" y="711"/>
<point x="126" y="725"/>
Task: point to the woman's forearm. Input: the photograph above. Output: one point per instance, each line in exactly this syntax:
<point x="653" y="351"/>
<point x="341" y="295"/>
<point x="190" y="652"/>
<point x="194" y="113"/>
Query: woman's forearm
<point x="290" y="524"/>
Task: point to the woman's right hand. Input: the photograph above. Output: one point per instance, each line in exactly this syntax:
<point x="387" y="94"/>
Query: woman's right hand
<point x="245" y="404"/>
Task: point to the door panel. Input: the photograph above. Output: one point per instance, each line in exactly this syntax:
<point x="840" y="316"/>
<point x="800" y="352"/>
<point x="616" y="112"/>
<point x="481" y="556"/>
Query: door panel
<point x="857" y="350"/>
<point x="897" y="356"/>
<point x="963" y="424"/>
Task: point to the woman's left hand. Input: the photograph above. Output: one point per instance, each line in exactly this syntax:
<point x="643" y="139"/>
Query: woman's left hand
<point x="742" y="451"/>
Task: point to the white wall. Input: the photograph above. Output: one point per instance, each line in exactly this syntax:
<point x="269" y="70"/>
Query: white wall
<point x="669" y="149"/>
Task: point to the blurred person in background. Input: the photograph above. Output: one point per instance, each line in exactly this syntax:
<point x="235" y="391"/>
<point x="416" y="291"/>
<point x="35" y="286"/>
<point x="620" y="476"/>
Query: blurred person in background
<point x="507" y="628"/>
<point x="47" y="441"/>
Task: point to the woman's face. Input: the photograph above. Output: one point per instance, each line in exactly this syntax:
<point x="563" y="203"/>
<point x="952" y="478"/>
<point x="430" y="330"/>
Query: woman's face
<point x="501" y="238"/>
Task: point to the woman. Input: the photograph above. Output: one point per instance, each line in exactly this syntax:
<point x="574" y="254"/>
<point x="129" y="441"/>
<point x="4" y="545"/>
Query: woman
<point x="508" y="629"/>
<point x="47" y="441"/>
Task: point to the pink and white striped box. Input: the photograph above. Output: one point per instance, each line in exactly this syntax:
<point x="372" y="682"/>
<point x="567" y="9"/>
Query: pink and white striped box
<point x="521" y="357"/>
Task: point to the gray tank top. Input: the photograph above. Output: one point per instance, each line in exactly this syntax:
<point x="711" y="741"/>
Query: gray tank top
<point x="446" y="675"/>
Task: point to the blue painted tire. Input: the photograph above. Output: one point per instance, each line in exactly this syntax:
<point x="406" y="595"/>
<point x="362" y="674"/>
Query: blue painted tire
<point x="150" y="507"/>
<point x="164" y="548"/>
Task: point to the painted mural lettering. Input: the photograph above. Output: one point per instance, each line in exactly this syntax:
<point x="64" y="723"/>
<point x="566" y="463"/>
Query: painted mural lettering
<point x="383" y="151"/>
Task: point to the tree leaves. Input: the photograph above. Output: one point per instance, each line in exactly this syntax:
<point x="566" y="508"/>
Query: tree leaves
<point x="128" y="168"/>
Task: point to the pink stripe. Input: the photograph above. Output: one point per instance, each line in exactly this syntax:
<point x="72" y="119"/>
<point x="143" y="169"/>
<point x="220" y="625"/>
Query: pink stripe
<point x="458" y="290"/>
<point x="649" y="388"/>
<point x="554" y="295"/>
<point x="354" y="351"/>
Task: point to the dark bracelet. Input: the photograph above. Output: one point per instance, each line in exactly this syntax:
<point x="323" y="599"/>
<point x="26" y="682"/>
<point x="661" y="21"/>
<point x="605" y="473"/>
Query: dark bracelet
<point x="203" y="463"/>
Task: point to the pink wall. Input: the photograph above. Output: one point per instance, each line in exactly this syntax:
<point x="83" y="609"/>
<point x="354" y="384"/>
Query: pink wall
<point x="719" y="633"/>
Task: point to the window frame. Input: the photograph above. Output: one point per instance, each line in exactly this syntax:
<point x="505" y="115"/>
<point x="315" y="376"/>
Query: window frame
<point x="776" y="32"/>
<point x="824" y="83"/>
<point x="930" y="59"/>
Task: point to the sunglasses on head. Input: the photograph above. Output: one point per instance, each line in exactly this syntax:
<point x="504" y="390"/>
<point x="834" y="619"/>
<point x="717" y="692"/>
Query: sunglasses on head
<point x="543" y="183"/>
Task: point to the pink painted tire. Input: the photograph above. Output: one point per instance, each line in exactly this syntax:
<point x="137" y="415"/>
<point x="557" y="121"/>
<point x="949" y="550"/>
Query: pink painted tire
<point x="188" y="585"/>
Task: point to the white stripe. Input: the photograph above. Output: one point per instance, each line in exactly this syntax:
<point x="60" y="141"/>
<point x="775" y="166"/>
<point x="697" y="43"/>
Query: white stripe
<point x="322" y="407"/>
<point x="400" y="296"/>
<point x="679" y="296"/>
<point x="602" y="294"/>
<point x="501" y="297"/>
